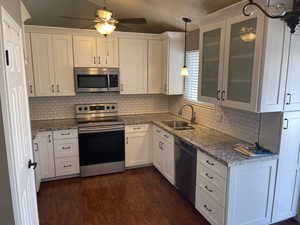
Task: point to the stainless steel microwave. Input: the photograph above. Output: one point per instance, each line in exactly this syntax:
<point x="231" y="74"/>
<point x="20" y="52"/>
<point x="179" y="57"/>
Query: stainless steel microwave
<point x="96" y="79"/>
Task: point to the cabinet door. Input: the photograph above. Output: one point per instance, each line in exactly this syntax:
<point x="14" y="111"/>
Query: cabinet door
<point x="243" y="50"/>
<point x="85" y="51"/>
<point x="137" y="149"/>
<point x="133" y="66"/>
<point x="42" y="52"/>
<point x="293" y="82"/>
<point x="165" y="65"/>
<point x="168" y="161"/>
<point x="63" y="65"/>
<point x="212" y="39"/>
<point x="46" y="154"/>
<point x="155" y="67"/>
<point x="287" y="183"/>
<point x="157" y="152"/>
<point x="28" y="66"/>
<point x="107" y="51"/>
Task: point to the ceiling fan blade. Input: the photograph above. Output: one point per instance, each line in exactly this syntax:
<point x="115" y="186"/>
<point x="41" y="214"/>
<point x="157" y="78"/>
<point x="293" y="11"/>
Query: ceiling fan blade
<point x="79" y="18"/>
<point x="121" y="27"/>
<point x="133" y="20"/>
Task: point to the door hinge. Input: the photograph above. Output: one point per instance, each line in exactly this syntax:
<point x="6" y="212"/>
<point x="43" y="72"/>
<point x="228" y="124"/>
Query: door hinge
<point x="7" y="57"/>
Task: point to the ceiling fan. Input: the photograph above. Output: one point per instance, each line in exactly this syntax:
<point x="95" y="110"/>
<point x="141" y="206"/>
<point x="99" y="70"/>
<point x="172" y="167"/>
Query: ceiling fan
<point x="105" y="23"/>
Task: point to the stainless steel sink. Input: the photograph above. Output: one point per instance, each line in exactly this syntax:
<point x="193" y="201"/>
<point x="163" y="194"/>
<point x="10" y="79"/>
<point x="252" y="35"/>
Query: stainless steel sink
<point x="178" y="125"/>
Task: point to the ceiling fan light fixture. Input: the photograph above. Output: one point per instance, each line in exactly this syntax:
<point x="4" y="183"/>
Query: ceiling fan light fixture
<point x="105" y="28"/>
<point x="104" y="14"/>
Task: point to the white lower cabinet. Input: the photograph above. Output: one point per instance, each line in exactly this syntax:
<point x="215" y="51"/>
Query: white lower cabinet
<point x="57" y="156"/>
<point x="137" y="149"/>
<point x="163" y="153"/>
<point x="238" y="195"/>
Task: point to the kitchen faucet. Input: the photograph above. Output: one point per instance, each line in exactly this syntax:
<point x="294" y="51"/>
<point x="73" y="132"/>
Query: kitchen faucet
<point x="193" y="117"/>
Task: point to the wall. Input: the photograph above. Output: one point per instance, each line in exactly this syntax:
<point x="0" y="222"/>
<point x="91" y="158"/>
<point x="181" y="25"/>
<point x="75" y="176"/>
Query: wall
<point x="45" y="108"/>
<point x="6" y="211"/>
<point x="239" y="124"/>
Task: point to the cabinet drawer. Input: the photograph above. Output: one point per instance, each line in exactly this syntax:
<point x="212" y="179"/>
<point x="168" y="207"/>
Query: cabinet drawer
<point x="212" y="164"/>
<point x="219" y="195"/>
<point x="137" y="128"/>
<point x="66" y="148"/>
<point x="67" y="166"/>
<point x="213" y="212"/>
<point x="65" y="134"/>
<point x="205" y="173"/>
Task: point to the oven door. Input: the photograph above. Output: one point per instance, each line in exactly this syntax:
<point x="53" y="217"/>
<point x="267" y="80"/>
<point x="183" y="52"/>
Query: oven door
<point x="101" y="150"/>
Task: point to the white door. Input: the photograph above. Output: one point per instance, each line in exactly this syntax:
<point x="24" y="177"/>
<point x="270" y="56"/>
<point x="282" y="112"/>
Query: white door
<point x="212" y="39"/>
<point x="46" y="154"/>
<point x="287" y="183"/>
<point x="42" y="52"/>
<point x="292" y="102"/>
<point x="63" y="65"/>
<point x="155" y="65"/>
<point x="242" y="62"/>
<point x="133" y="66"/>
<point x="168" y="161"/>
<point x="37" y="171"/>
<point x="14" y="100"/>
<point x="29" y="66"/>
<point x="137" y="149"/>
<point x="85" y="51"/>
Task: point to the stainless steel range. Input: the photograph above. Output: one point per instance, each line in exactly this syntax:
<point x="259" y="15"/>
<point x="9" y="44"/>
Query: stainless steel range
<point x="101" y="139"/>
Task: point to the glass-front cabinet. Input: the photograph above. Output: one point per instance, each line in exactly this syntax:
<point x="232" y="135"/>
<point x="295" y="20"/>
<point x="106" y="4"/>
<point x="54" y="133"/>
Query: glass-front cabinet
<point x="243" y="51"/>
<point x="212" y="39"/>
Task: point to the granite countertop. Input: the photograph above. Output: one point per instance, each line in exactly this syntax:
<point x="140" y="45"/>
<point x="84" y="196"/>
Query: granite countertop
<point x="216" y="144"/>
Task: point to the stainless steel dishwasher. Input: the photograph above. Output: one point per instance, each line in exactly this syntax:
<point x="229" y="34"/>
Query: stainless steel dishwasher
<point x="185" y="169"/>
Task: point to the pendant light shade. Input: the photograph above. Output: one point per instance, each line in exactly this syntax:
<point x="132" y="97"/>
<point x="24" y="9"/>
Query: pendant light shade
<point x="184" y="70"/>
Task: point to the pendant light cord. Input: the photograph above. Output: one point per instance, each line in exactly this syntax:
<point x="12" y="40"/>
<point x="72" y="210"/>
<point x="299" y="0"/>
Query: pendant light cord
<point x="185" y="28"/>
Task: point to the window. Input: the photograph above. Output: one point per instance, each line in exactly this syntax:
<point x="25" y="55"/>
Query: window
<point x="191" y="81"/>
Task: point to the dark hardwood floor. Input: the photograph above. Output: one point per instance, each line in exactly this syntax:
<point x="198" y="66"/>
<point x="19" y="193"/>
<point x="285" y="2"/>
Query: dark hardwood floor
<point x="135" y="197"/>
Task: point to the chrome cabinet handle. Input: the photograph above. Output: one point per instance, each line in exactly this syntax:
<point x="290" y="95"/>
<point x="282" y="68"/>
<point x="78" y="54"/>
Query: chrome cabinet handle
<point x="286" y="124"/>
<point x="36" y="149"/>
<point x="95" y="60"/>
<point x="127" y="140"/>
<point x="49" y="138"/>
<point x="30" y="89"/>
<point x="222" y="95"/>
<point x="289" y="96"/>
<point x="67" y="166"/>
<point x="66" y="148"/>
<point x="166" y="136"/>
<point x="208" y="209"/>
<point x="64" y="134"/>
<point x="208" y="188"/>
<point x="207" y="175"/>
<point x="52" y="87"/>
<point x="137" y="128"/>
<point x="57" y="88"/>
<point x="209" y="163"/>
<point x="99" y="59"/>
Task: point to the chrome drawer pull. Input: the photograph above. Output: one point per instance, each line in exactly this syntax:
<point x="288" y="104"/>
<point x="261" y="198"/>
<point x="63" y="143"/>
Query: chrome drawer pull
<point x="209" y="163"/>
<point x="137" y="128"/>
<point x="208" y="209"/>
<point x="158" y="131"/>
<point x="209" y="176"/>
<point x="208" y="189"/>
<point x="66" y="148"/>
<point x="66" y="133"/>
<point x="166" y="136"/>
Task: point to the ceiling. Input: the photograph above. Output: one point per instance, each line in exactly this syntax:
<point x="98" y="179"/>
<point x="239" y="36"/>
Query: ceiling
<point x="161" y="15"/>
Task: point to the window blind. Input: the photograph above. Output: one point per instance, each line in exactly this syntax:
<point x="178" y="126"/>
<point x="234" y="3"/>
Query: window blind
<point x="191" y="81"/>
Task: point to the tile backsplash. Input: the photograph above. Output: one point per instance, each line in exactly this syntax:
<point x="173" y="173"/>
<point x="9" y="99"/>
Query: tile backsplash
<point x="240" y="124"/>
<point x="47" y="108"/>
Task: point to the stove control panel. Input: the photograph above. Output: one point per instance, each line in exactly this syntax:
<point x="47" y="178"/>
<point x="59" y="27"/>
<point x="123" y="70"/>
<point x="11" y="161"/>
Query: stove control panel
<point x="96" y="108"/>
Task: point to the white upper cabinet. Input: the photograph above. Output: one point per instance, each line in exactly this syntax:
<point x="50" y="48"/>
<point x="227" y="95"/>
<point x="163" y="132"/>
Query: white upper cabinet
<point x="133" y="55"/>
<point x="63" y="64"/>
<point x="29" y="66"/>
<point x="292" y="102"/>
<point x="243" y="64"/>
<point x="85" y="51"/>
<point x="94" y="51"/>
<point x="42" y="53"/>
<point x="53" y="64"/>
<point x="155" y="67"/>
<point x="212" y="39"/>
<point x="173" y="59"/>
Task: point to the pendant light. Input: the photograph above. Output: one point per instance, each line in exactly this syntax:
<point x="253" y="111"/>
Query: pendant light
<point x="184" y="70"/>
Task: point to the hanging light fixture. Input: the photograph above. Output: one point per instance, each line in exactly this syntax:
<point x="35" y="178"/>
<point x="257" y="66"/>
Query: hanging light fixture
<point x="105" y="28"/>
<point x="292" y="18"/>
<point x="184" y="70"/>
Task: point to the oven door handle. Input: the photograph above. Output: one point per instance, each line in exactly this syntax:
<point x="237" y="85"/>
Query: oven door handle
<point x="90" y="130"/>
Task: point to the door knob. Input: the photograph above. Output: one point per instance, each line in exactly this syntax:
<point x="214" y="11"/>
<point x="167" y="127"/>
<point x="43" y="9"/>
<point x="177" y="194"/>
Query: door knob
<point x="32" y="164"/>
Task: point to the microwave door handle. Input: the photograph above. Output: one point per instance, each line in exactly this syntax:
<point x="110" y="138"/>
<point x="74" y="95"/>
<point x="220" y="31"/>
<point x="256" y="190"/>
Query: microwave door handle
<point x="108" y="82"/>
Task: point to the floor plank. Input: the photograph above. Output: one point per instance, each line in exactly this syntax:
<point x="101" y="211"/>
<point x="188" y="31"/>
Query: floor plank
<point x="135" y="197"/>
